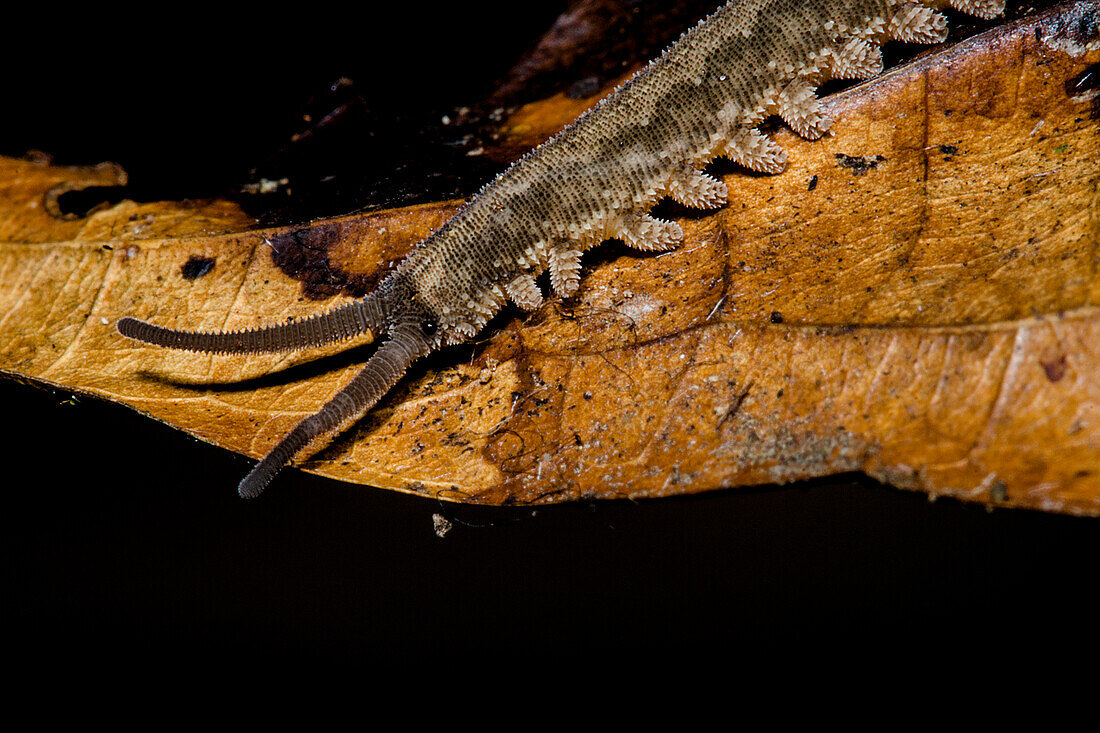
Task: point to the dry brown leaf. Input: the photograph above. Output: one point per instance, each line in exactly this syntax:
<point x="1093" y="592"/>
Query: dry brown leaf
<point x="916" y="297"/>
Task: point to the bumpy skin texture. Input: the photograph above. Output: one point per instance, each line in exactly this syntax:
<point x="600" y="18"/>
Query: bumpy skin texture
<point x="599" y="177"/>
<point x="597" y="180"/>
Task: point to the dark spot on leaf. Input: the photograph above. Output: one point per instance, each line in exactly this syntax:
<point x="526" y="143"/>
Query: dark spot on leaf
<point x="859" y="164"/>
<point x="776" y="317"/>
<point x="813" y="183"/>
<point x="303" y="254"/>
<point x="1055" y="369"/>
<point x="196" y="267"/>
<point x="949" y="150"/>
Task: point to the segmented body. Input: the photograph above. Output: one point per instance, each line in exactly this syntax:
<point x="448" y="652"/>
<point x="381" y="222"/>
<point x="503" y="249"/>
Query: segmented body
<point x="597" y="180"/>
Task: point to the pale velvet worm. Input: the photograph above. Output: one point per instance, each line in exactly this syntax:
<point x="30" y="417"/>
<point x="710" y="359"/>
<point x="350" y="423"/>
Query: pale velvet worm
<point x="597" y="179"/>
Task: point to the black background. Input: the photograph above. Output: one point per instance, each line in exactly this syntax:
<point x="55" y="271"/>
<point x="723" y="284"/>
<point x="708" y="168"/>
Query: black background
<point x="124" y="539"/>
